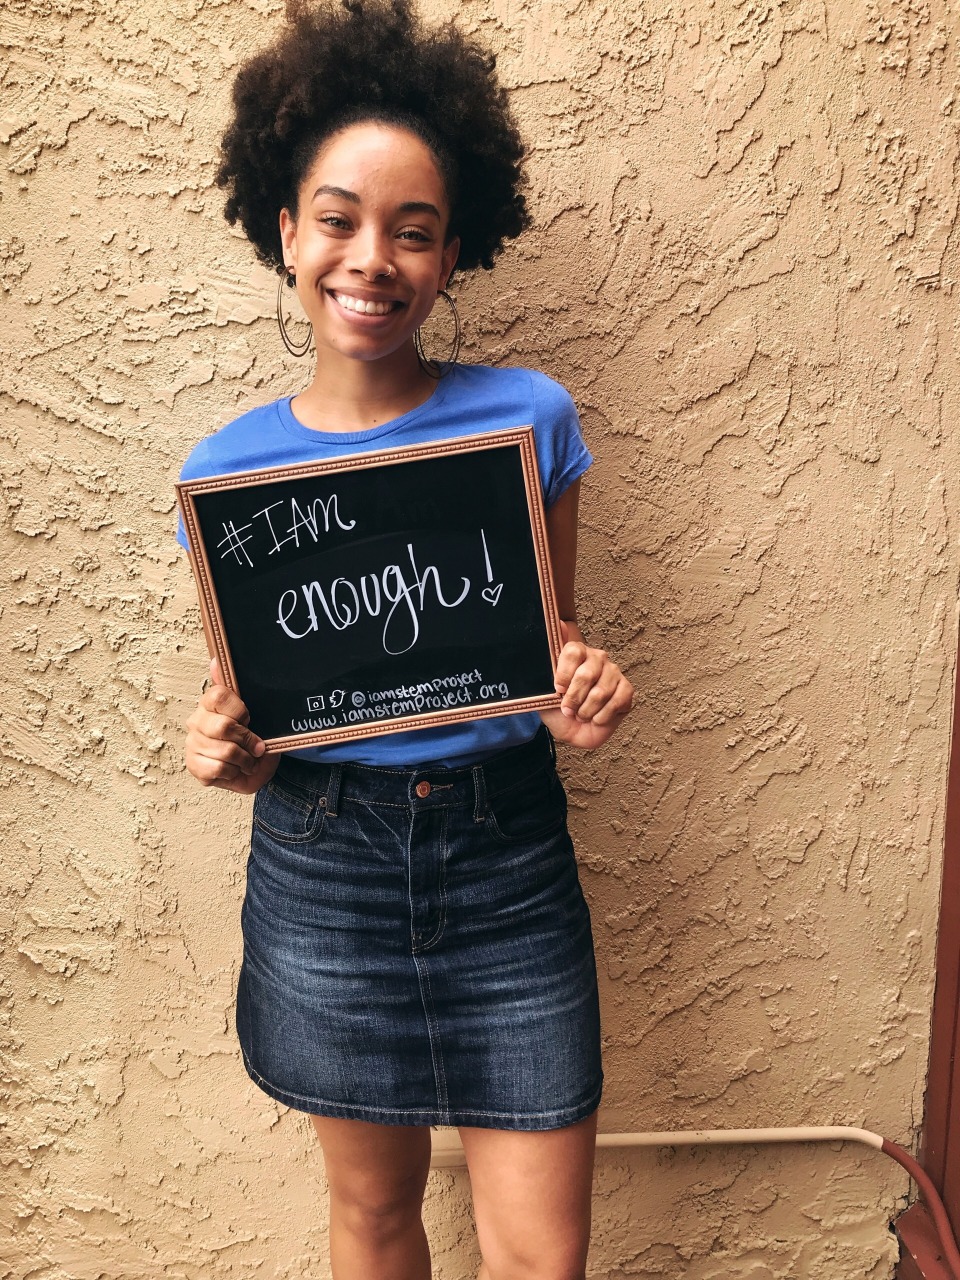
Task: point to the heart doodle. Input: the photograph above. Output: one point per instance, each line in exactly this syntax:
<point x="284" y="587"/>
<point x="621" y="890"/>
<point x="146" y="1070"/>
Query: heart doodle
<point x="492" y="594"/>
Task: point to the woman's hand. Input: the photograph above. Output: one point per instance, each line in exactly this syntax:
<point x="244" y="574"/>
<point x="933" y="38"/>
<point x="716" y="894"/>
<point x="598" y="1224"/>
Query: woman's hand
<point x="596" y="693"/>
<point x="220" y="749"/>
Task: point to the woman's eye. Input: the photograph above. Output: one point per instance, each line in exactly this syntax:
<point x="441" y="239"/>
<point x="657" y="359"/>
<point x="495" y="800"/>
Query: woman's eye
<point x="335" y="220"/>
<point x="413" y="233"/>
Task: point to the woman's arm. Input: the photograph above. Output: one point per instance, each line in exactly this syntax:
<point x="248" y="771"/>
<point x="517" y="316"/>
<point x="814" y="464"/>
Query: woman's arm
<point x="596" y="693"/>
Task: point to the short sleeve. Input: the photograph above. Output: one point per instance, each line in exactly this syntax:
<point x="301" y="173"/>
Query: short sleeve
<point x="562" y="454"/>
<point x="197" y="465"/>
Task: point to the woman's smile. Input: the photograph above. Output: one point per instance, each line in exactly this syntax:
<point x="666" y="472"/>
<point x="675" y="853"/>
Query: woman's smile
<point x="368" y="308"/>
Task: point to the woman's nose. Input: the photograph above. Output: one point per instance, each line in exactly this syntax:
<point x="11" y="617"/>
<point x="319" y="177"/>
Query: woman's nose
<point x="371" y="257"/>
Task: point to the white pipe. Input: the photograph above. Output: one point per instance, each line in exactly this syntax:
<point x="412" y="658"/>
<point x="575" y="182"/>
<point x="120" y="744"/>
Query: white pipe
<point x="696" y="1137"/>
<point x="448" y="1151"/>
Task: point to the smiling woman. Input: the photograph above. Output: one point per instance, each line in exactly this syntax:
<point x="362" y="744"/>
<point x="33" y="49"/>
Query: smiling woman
<point x="369" y="259"/>
<point x="417" y="949"/>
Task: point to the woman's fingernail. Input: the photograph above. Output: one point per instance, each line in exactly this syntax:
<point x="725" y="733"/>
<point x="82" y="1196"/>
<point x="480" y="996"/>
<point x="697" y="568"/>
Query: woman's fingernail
<point x="259" y="748"/>
<point x="568" y="711"/>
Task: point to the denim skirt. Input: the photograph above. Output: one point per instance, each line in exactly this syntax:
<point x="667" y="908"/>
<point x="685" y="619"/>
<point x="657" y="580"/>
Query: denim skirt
<point x="417" y="948"/>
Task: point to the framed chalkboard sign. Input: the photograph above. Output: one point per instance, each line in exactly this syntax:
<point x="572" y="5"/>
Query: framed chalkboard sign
<point x="379" y="591"/>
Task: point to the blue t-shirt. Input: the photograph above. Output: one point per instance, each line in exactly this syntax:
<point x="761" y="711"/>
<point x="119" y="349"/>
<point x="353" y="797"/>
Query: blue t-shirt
<point x="468" y="399"/>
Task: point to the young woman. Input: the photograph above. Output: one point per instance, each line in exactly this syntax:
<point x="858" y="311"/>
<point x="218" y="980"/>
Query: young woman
<point x="417" y="949"/>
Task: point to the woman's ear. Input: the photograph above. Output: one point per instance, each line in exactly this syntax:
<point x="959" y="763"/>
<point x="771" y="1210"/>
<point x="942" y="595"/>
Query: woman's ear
<point x="288" y="237"/>
<point x="451" y="251"/>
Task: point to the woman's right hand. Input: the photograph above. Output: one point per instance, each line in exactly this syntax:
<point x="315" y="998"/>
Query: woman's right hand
<point x="220" y="749"/>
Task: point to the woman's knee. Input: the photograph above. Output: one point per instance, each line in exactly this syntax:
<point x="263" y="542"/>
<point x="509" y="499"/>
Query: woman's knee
<point x="519" y="1264"/>
<point x="379" y="1208"/>
<point x="377" y="1176"/>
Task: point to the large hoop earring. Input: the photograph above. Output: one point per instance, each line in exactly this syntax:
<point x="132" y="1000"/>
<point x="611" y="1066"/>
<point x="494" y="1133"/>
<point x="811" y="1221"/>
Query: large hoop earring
<point x="295" y="348"/>
<point x="432" y="367"/>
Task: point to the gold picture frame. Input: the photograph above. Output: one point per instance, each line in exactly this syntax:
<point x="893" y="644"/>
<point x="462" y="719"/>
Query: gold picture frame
<point x="231" y="585"/>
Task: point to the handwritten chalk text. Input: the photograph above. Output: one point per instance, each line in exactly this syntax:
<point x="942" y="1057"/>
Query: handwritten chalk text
<point x="343" y="603"/>
<point x="303" y="521"/>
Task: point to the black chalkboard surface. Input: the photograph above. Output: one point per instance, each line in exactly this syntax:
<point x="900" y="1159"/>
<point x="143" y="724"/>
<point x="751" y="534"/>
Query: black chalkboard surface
<point x="378" y="591"/>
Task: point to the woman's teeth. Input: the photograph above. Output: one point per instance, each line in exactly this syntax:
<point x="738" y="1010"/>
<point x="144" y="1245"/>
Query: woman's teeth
<point x="365" y="308"/>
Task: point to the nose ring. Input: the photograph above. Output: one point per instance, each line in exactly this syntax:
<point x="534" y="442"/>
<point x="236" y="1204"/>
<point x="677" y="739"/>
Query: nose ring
<point x="391" y="271"/>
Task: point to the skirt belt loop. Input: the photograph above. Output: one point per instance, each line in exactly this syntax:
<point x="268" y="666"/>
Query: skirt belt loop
<point x="333" y="790"/>
<point x="480" y="794"/>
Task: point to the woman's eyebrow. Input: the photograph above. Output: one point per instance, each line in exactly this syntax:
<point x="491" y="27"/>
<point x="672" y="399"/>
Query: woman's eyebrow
<point x="420" y="206"/>
<point x="342" y="192"/>
<point x="408" y="206"/>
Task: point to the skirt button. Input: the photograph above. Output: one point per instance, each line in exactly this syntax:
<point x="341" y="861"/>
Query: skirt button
<point x="423" y="789"/>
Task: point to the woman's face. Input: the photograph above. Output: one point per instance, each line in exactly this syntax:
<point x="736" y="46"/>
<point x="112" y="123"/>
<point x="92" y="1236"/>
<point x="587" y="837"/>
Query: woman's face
<point x="368" y="241"/>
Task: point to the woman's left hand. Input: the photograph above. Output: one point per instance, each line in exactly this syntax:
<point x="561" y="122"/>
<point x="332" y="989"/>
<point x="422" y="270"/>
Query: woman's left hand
<point x="596" y="693"/>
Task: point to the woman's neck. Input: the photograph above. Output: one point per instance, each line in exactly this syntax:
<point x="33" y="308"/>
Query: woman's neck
<point x="355" y="395"/>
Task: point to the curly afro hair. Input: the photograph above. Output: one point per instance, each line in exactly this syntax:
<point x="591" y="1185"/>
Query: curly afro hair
<point x="340" y="63"/>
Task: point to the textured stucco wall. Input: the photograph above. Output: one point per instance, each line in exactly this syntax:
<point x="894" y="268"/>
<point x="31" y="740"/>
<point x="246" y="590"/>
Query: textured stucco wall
<point x="743" y="267"/>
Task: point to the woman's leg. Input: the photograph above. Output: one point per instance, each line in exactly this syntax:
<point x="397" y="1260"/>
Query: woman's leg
<point x="377" y="1174"/>
<point x="531" y="1197"/>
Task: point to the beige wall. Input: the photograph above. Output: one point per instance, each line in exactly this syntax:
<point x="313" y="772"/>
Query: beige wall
<point x="742" y="267"/>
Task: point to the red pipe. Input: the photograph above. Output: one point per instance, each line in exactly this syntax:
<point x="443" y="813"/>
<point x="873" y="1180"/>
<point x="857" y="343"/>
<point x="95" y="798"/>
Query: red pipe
<point x="930" y="1194"/>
